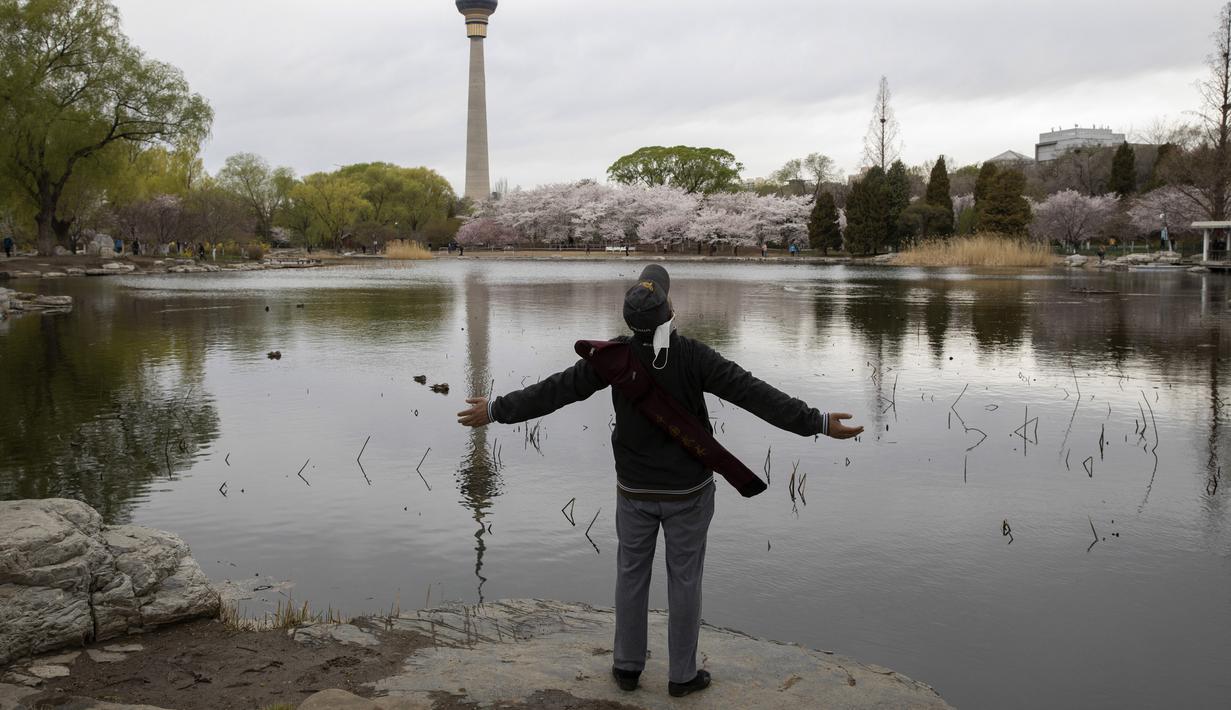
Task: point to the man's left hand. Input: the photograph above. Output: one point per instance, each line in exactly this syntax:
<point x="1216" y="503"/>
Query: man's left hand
<point x="476" y="415"/>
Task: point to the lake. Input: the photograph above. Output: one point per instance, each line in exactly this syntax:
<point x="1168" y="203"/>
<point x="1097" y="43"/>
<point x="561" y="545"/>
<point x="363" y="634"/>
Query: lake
<point x="1038" y="515"/>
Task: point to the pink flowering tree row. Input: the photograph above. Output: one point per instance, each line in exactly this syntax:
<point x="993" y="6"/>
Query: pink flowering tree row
<point x="590" y="213"/>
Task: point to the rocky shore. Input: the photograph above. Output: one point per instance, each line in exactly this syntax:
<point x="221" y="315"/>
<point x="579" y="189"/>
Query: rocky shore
<point x="1158" y="260"/>
<point x="67" y="267"/>
<point x="71" y="587"/>
<point x="12" y="302"/>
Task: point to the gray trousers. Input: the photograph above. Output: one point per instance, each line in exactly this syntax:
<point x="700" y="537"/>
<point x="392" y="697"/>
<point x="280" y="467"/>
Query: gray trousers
<point x="685" y="525"/>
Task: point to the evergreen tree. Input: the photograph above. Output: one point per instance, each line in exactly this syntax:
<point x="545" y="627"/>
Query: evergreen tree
<point x="937" y="195"/>
<point x="987" y="174"/>
<point x="823" y="230"/>
<point x="1123" y="171"/>
<point x="866" y="227"/>
<point x="1166" y="152"/>
<point x="1004" y="208"/>
<point x="897" y="199"/>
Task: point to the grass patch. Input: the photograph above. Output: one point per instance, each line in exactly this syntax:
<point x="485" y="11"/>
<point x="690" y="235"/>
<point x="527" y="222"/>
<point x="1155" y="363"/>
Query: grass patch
<point x="406" y="249"/>
<point x="286" y="616"/>
<point x="977" y="250"/>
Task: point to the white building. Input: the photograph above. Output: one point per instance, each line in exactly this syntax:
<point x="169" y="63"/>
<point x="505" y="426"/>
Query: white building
<point x="1055" y="143"/>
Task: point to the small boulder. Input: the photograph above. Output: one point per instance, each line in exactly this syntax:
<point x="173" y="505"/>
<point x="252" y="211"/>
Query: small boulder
<point x="1076" y="261"/>
<point x="1198" y="270"/>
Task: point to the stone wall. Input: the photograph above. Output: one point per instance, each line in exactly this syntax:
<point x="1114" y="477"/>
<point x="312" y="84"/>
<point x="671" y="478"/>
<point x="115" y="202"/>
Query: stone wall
<point x="66" y="579"/>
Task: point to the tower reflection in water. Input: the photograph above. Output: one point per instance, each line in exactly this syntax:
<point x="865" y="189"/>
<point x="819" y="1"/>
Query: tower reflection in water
<point x="477" y="478"/>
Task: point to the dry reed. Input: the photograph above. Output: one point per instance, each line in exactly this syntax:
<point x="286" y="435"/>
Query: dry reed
<point x="406" y="249"/>
<point x="286" y="616"/>
<point x="977" y="250"/>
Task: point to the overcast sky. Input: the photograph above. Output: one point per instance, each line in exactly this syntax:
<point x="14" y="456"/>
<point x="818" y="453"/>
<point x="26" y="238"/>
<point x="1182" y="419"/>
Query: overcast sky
<point x="574" y="84"/>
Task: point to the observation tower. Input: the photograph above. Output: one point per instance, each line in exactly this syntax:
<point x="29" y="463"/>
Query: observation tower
<point x="478" y="179"/>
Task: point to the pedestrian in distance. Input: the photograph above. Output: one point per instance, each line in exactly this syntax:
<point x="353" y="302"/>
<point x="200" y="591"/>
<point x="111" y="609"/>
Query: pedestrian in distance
<point x="665" y="457"/>
<point x="8" y="247"/>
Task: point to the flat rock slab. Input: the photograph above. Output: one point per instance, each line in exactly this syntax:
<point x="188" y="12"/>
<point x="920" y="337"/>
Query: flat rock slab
<point x="11" y="696"/>
<point x="523" y="646"/>
<point x="124" y="648"/>
<point x="100" y="656"/>
<point x="335" y="699"/>
<point x="324" y="633"/>
<point x="47" y="672"/>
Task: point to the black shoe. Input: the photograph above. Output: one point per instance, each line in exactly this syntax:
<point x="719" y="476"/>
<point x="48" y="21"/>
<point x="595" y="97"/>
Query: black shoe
<point x="627" y="680"/>
<point x="679" y="690"/>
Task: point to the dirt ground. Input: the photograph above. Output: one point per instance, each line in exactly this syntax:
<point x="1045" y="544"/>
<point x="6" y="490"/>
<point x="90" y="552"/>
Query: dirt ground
<point x="203" y="665"/>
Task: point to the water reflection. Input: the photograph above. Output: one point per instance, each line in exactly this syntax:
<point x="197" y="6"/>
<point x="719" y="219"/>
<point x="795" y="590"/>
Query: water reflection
<point x="477" y="478"/>
<point x="898" y="558"/>
<point x="96" y="409"/>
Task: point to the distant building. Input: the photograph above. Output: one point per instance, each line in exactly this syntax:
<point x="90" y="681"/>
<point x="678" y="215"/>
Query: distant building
<point x="1011" y="158"/>
<point x="1055" y="143"/>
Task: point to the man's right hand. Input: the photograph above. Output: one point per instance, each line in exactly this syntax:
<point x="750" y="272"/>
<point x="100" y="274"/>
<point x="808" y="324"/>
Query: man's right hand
<point x="838" y="430"/>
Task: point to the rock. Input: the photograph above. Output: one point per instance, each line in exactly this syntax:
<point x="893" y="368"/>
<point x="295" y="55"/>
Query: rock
<point x="334" y="699"/>
<point x="1167" y="257"/>
<point x="1198" y="270"/>
<point x="124" y="648"/>
<point x="54" y="275"/>
<point x="54" y="301"/>
<point x="11" y="696"/>
<point x="65" y="578"/>
<point x="99" y="656"/>
<point x="60" y="251"/>
<point x="317" y="634"/>
<point x="48" y="672"/>
<point x="74" y="271"/>
<point x="1076" y="261"/>
<point x="19" y="678"/>
<point x="1136" y="259"/>
<point x="62" y="659"/>
<point x="98" y="272"/>
<point x="523" y="646"/>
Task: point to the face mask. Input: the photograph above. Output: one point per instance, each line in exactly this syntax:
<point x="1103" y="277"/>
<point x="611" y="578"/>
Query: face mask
<point x="662" y="341"/>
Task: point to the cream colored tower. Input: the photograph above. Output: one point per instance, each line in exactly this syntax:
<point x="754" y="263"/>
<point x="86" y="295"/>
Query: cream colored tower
<point x="478" y="180"/>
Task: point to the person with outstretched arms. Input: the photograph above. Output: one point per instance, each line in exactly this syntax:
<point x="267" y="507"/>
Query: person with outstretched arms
<point x="665" y="458"/>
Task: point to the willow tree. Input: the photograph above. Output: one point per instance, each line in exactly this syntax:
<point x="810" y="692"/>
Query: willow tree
<point x="72" y="89"/>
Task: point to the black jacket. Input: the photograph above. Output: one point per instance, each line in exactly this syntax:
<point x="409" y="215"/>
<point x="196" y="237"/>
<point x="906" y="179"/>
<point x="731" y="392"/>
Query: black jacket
<point x="649" y="464"/>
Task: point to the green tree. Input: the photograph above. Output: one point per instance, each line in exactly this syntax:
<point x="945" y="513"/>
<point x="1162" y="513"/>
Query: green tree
<point x="987" y="175"/>
<point x="1123" y="171"/>
<point x="331" y="204"/>
<point x="1004" y="208"/>
<point x="72" y="86"/>
<point x="704" y="170"/>
<point x="824" y="233"/>
<point x="866" y="225"/>
<point x="409" y="198"/>
<point x="897" y="199"/>
<point x="940" y="221"/>
<point x="264" y="190"/>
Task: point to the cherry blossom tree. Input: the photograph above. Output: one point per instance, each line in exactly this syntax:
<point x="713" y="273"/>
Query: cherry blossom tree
<point x="1146" y="212"/>
<point x="1071" y="218"/>
<point x="485" y="231"/>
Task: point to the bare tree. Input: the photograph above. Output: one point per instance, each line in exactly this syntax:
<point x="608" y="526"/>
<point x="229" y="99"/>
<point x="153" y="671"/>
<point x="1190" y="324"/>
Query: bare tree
<point x="1202" y="171"/>
<point x="882" y="145"/>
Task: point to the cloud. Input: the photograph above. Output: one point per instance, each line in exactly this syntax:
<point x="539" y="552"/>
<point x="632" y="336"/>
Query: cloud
<point x="574" y="85"/>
